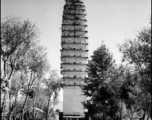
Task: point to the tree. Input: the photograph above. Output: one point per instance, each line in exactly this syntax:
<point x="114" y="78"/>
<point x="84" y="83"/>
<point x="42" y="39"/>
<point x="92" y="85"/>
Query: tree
<point x="101" y="101"/>
<point x="24" y="61"/>
<point x="46" y="93"/>
<point x="16" y="39"/>
<point x="138" y="53"/>
<point x="35" y="66"/>
<point x="53" y="85"/>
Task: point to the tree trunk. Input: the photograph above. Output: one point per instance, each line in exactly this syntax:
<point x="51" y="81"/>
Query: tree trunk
<point x="26" y="99"/>
<point x="4" y="68"/>
<point x="120" y="110"/>
<point x="12" y="112"/>
<point x="143" y="117"/>
<point x="3" y="104"/>
<point x="22" y="113"/>
<point x="48" y="107"/>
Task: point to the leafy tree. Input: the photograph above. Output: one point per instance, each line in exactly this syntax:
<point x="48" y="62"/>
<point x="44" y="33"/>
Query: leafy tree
<point x="45" y="95"/>
<point x="101" y="101"/>
<point x="16" y="39"/>
<point x="138" y="53"/>
<point x="24" y="61"/>
<point x="53" y="85"/>
<point x="34" y="66"/>
<point x="112" y="91"/>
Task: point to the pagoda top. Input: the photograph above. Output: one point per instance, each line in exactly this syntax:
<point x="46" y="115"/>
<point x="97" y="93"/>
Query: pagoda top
<point x="72" y="1"/>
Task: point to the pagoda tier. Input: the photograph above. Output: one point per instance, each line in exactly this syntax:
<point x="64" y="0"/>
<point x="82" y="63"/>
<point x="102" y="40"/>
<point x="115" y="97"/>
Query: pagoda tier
<point x="74" y="55"/>
<point x="73" y="67"/>
<point x="73" y="81"/>
<point x="74" y="27"/>
<point x="76" y="47"/>
<point x="74" y="40"/>
<point x="79" y="60"/>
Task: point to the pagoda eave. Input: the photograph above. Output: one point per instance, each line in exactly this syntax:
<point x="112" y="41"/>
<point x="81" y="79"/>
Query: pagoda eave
<point x="74" y="30"/>
<point x="73" y="37"/>
<point x="74" y="57"/>
<point x="72" y="71"/>
<point x="73" y="64"/>
<point x="73" y="24"/>
<point x="73" y="50"/>
<point x="74" y="43"/>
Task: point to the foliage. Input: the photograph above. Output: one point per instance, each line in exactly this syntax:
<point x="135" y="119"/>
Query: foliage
<point x="17" y="38"/>
<point x="138" y="53"/>
<point x="52" y="86"/>
<point x="24" y="65"/>
<point x="120" y="92"/>
<point x="101" y="98"/>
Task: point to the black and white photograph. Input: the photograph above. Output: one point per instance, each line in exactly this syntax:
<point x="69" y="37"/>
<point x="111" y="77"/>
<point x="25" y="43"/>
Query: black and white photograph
<point x="75" y="60"/>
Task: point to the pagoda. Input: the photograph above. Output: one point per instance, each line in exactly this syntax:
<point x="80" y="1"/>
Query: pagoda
<point x="74" y="55"/>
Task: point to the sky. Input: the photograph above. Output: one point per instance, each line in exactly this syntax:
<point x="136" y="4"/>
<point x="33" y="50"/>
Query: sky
<point x="111" y="21"/>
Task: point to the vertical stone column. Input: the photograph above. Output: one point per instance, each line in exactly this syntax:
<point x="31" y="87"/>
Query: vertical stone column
<point x="74" y="54"/>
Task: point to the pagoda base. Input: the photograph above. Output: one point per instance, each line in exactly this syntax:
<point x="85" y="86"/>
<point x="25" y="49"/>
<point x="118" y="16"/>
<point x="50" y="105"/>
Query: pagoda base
<point x="74" y="117"/>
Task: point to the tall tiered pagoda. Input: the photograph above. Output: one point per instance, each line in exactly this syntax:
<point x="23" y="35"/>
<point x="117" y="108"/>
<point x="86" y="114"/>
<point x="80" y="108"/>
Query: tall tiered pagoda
<point x="74" y="54"/>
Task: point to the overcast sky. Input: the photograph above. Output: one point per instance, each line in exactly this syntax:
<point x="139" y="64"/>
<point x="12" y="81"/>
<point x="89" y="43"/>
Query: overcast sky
<point x="112" y="21"/>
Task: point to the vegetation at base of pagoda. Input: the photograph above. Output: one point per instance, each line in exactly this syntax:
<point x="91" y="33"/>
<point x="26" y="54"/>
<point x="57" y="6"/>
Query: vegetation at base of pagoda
<point x="24" y="65"/>
<point x="119" y="92"/>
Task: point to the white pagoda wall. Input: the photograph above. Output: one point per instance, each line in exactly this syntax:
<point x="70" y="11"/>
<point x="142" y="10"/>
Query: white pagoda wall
<point x="74" y="74"/>
<point x="74" y="60"/>
<point x="73" y="81"/>
<point x="77" y="67"/>
<point x="74" y="53"/>
<point x="72" y="95"/>
<point x="70" y="27"/>
<point x="74" y="40"/>
<point x="76" y="46"/>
